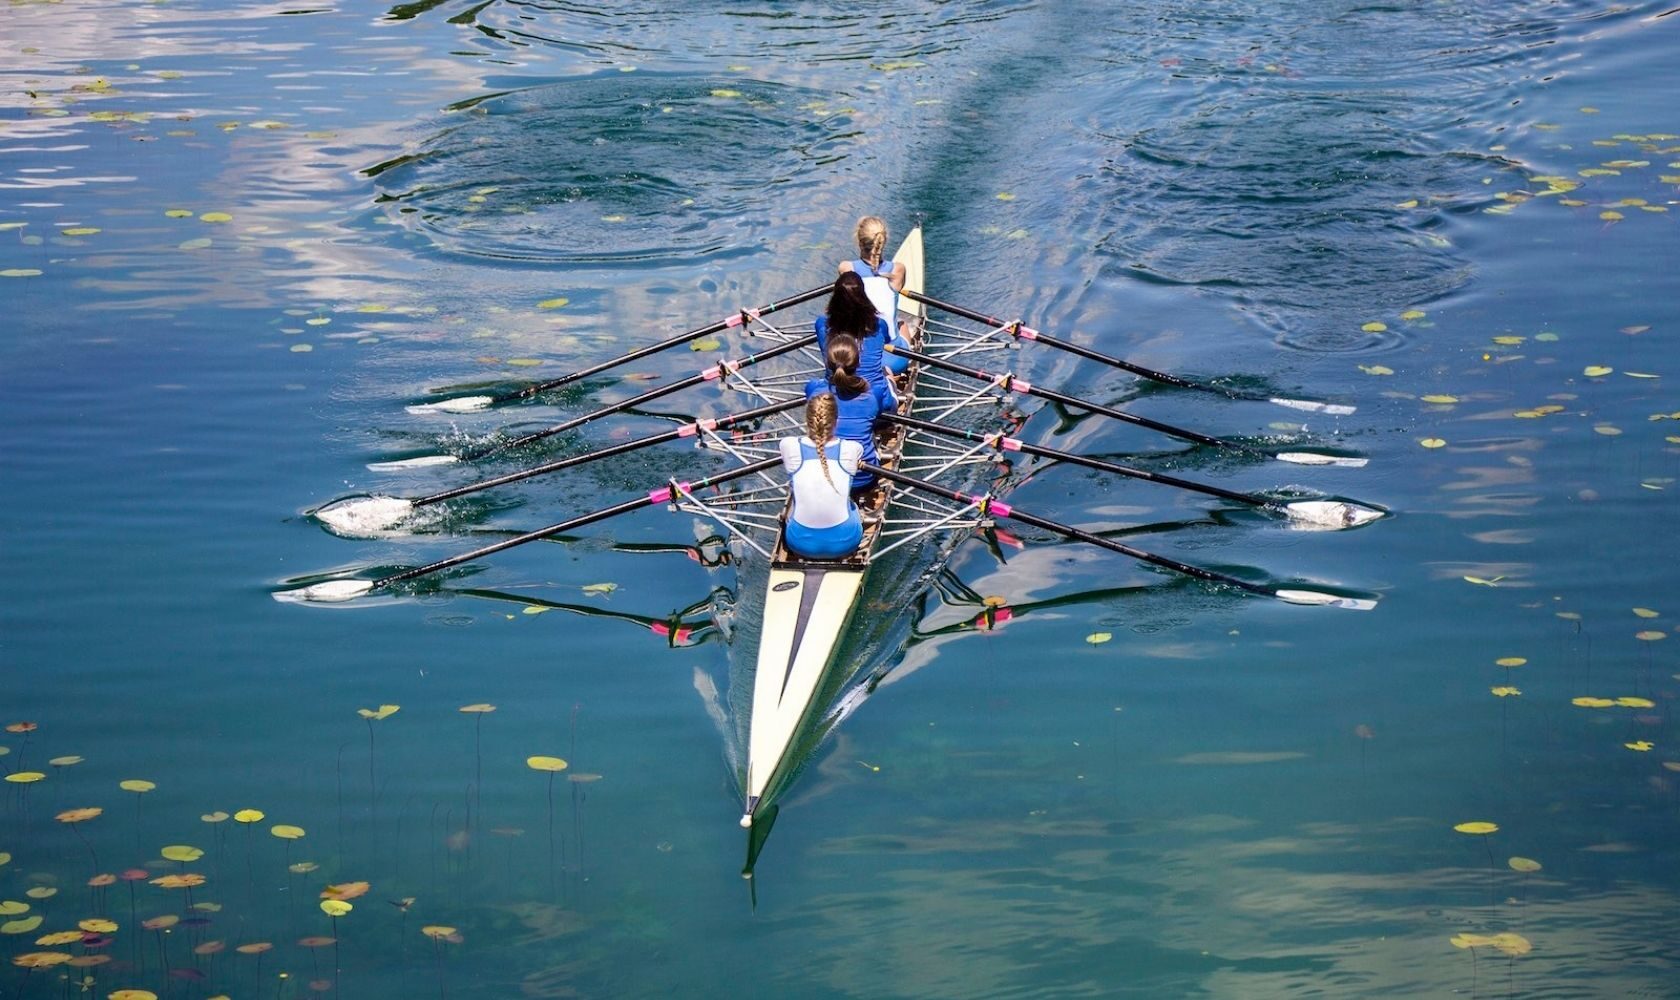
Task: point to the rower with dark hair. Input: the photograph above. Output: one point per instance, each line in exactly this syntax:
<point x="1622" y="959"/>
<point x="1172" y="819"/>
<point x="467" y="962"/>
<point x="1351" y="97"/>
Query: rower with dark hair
<point x="851" y="313"/>
<point x="859" y="403"/>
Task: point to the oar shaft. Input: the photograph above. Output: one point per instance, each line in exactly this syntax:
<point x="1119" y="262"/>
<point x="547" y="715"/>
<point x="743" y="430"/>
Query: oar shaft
<point x="1003" y="443"/>
<point x="1001" y="509"/>
<point x="658" y="496"/>
<point x="717" y="371"/>
<point x="721" y="325"/>
<point x="1024" y="332"/>
<point x="1011" y="383"/>
<point x="686" y="430"/>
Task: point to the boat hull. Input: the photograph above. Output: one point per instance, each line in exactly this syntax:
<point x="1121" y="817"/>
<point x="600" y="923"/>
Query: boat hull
<point x="808" y="606"/>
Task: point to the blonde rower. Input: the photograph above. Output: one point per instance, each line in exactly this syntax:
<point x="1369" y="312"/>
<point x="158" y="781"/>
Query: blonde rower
<point x="882" y="281"/>
<point x="824" y="522"/>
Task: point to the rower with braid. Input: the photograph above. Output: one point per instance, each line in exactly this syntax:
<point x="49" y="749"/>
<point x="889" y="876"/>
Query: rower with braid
<point x="824" y="523"/>
<point x="882" y="281"/>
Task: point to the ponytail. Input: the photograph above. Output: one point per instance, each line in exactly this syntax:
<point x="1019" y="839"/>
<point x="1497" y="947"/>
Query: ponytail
<point x="842" y="358"/>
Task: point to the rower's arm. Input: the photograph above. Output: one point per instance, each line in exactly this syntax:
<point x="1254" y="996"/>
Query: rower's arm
<point x="896" y="278"/>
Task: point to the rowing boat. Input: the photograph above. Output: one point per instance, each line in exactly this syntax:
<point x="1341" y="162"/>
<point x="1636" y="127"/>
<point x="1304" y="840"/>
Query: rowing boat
<point x="963" y="429"/>
<point x="809" y="604"/>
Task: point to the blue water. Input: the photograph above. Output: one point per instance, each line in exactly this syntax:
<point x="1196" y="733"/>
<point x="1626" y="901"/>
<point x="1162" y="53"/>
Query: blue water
<point x="1229" y="797"/>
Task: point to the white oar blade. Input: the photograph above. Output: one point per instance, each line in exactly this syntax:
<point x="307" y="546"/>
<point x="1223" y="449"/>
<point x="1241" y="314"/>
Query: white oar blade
<point x="461" y="404"/>
<point x="421" y="462"/>
<point x="1321" y="599"/>
<point x="1329" y="515"/>
<point x="1313" y="458"/>
<point x="330" y="592"/>
<point x="1312" y="406"/>
<point x="362" y="517"/>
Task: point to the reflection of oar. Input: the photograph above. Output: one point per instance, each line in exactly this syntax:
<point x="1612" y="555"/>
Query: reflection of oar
<point x="358" y="515"/>
<point x="710" y="374"/>
<point x="675" y="629"/>
<point x="1330" y="514"/>
<point x="997" y="508"/>
<point x="1023" y="332"/>
<point x="344" y="590"/>
<point x="1009" y="383"/>
<point x="469" y="404"/>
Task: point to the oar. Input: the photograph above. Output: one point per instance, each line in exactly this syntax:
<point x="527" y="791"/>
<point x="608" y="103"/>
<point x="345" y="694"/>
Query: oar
<point x="1009" y="383"/>
<point x="710" y="374"/>
<point x="997" y="508"/>
<point x="1330" y="514"/>
<point x="1016" y="329"/>
<point x="360" y="515"/>
<point x="470" y="404"/>
<point x="344" y="590"/>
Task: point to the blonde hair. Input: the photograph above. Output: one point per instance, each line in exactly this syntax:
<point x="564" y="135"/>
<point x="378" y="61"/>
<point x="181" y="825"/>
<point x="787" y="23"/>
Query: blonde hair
<point x="871" y="239"/>
<point x="821" y="412"/>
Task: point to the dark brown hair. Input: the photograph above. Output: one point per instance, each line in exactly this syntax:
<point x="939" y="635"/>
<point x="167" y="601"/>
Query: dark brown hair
<point x="842" y="358"/>
<point x="849" y="308"/>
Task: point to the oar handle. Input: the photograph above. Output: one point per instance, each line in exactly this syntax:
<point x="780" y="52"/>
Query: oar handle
<point x="1004" y="443"/>
<point x="653" y="497"/>
<point x="989" y="505"/>
<point x="717" y="371"/>
<point x="1009" y="382"/>
<point x="721" y="325"/>
<point x="686" y="430"/>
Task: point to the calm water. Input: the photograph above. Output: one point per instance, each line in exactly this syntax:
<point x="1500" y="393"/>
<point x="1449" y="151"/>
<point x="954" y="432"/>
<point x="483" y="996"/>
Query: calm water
<point x="237" y="239"/>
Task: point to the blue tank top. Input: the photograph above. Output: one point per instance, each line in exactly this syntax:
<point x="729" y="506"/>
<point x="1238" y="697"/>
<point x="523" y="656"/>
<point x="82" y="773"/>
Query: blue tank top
<point x="871" y="358"/>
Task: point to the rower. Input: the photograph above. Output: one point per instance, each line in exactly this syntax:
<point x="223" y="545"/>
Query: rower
<point x="823" y="523"/>
<point x="859" y="403"/>
<point x="850" y="312"/>
<point x="882" y="281"/>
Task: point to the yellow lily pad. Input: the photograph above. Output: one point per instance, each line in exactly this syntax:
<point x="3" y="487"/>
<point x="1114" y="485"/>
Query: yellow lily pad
<point x="1477" y="828"/>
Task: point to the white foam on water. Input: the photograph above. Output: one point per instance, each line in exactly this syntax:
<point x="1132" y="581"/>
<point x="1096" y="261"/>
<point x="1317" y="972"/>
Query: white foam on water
<point x="1329" y="515"/>
<point x="420" y="462"/>
<point x="330" y="592"/>
<point x="460" y="404"/>
<point x="364" y="517"/>
<point x="1313" y="458"/>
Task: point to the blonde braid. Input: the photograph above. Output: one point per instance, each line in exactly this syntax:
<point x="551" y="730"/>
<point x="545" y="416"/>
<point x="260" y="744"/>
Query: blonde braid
<point x="820" y="415"/>
<point x="871" y="240"/>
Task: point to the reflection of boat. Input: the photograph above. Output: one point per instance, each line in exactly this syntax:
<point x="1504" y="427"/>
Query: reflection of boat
<point x="808" y="604"/>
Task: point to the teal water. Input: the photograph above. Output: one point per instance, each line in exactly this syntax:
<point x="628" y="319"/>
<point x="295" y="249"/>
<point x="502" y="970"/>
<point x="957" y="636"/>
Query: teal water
<point x="1230" y="797"/>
